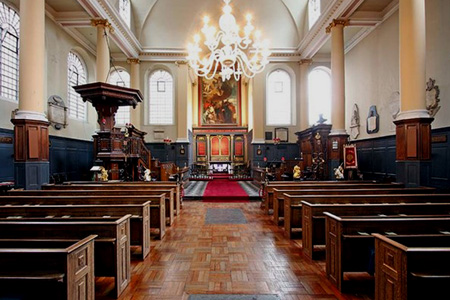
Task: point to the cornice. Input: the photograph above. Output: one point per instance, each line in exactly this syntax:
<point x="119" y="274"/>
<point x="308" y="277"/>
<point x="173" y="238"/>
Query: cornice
<point x="70" y="30"/>
<point x="123" y="36"/>
<point x="316" y="36"/>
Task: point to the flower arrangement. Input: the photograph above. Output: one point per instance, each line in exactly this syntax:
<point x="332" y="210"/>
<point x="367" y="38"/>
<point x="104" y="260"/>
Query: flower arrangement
<point x="276" y="141"/>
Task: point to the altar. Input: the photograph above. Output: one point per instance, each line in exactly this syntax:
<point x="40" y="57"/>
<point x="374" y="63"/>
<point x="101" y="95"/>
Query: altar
<point x="220" y="148"/>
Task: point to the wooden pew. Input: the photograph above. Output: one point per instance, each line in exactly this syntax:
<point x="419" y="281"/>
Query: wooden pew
<point x="124" y="189"/>
<point x="139" y="211"/>
<point x="305" y="185"/>
<point x="278" y="198"/>
<point x="178" y="188"/>
<point x="412" y="267"/>
<point x="293" y="206"/>
<point x="313" y="219"/>
<point x="157" y="211"/>
<point x="112" y="247"/>
<point x="350" y="245"/>
<point x="58" y="269"/>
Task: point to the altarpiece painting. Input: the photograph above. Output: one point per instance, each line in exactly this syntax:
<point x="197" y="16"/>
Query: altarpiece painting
<point x="219" y="101"/>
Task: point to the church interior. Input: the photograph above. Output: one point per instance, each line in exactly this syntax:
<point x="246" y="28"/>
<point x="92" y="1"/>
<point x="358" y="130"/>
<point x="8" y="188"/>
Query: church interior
<point x="224" y="149"/>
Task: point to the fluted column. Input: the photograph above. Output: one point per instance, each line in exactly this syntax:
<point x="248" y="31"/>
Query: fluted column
<point x="135" y="83"/>
<point x="337" y="76"/>
<point x="31" y="147"/>
<point x="304" y="93"/>
<point x="103" y="55"/>
<point x="413" y="123"/>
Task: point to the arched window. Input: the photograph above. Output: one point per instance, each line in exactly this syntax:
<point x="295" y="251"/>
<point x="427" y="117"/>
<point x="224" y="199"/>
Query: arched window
<point x="9" y="52"/>
<point x="279" y="98"/>
<point x="76" y="75"/>
<point x="125" y="11"/>
<point x="121" y="78"/>
<point x="319" y="82"/>
<point x="313" y="12"/>
<point x="161" y="98"/>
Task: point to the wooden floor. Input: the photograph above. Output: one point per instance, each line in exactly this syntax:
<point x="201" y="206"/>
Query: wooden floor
<point x="254" y="258"/>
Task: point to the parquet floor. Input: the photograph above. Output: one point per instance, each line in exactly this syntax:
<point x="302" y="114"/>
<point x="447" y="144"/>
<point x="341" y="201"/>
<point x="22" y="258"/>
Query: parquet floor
<point x="254" y="258"/>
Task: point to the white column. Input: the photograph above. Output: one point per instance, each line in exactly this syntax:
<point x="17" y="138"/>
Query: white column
<point x="32" y="58"/>
<point x="337" y="76"/>
<point x="412" y="59"/>
<point x="304" y="93"/>
<point x="135" y="83"/>
<point x="103" y="55"/>
<point x="183" y="98"/>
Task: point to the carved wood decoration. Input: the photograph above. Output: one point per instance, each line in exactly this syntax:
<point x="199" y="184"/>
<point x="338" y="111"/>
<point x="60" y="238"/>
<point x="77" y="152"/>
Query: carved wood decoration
<point x="313" y="143"/>
<point x="121" y="153"/>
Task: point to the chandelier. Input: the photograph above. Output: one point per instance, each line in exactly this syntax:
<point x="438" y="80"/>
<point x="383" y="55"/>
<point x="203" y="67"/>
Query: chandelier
<point x="231" y="58"/>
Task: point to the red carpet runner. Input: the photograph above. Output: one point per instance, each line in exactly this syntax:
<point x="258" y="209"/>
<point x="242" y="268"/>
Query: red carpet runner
<point x="224" y="190"/>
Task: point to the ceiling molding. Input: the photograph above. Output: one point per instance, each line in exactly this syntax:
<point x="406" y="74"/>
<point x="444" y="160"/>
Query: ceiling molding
<point x="75" y="34"/>
<point x="370" y="25"/>
<point x="317" y="36"/>
<point x="122" y="36"/>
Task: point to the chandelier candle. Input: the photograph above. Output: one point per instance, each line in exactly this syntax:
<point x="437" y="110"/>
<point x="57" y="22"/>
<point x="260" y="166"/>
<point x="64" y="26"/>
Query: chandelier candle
<point x="232" y="57"/>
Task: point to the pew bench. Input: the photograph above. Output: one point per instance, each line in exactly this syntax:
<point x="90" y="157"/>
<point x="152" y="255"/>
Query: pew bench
<point x="47" y="269"/>
<point x="178" y="188"/>
<point x="139" y="211"/>
<point x="412" y="267"/>
<point x="269" y="195"/>
<point x="157" y="210"/>
<point x="121" y="190"/>
<point x="112" y="246"/>
<point x="313" y="218"/>
<point x="293" y="205"/>
<point x="278" y="198"/>
<point x="350" y="247"/>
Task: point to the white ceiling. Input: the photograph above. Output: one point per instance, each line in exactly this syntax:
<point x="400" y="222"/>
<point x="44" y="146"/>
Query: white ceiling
<point x="168" y="25"/>
<point x="172" y="23"/>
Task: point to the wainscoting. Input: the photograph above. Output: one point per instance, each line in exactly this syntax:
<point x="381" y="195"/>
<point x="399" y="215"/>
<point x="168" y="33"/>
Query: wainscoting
<point x="176" y="152"/>
<point x="69" y="158"/>
<point x="6" y="155"/>
<point x="376" y="158"/>
<point x="273" y="153"/>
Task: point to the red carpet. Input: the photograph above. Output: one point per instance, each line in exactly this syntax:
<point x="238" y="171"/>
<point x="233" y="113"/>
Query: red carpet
<point x="224" y="190"/>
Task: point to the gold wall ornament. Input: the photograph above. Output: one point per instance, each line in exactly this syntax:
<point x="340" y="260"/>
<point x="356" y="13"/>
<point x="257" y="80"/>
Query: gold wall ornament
<point x="102" y="22"/>
<point x="432" y="97"/>
<point x="336" y="22"/>
<point x="133" y="60"/>
<point x="305" y="61"/>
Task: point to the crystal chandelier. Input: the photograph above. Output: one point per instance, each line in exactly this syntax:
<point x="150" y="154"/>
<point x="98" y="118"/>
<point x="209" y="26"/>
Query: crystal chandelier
<point x="231" y="57"/>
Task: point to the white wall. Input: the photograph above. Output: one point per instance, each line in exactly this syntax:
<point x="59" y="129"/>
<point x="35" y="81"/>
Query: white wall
<point x="372" y="75"/>
<point x="372" y="69"/>
<point x="57" y="46"/>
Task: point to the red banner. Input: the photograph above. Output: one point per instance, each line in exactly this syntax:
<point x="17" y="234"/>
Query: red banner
<point x="350" y="159"/>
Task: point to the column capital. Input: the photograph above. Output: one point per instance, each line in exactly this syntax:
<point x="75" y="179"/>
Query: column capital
<point x="181" y="62"/>
<point x="132" y="60"/>
<point x="305" y="62"/>
<point x="101" y="22"/>
<point x="336" y="22"/>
